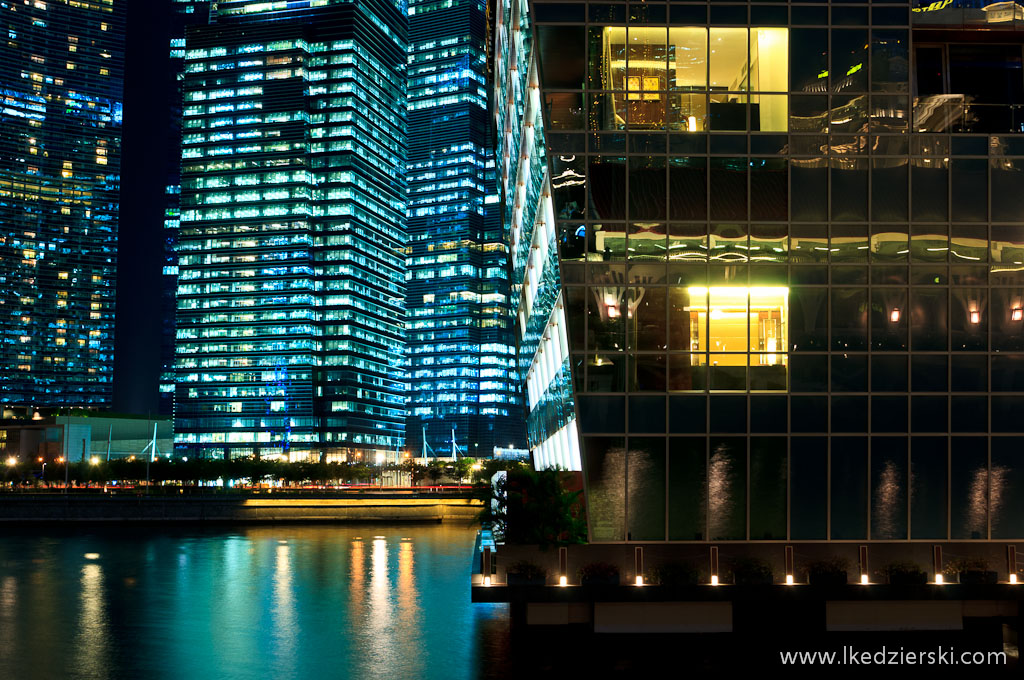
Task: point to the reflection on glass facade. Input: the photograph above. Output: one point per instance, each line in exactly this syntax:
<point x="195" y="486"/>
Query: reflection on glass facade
<point x="62" y="76"/>
<point x="461" y="349"/>
<point x="290" y="300"/>
<point x="789" y="270"/>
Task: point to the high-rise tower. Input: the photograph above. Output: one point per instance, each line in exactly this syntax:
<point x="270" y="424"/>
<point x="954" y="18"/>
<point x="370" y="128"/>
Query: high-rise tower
<point x="460" y="328"/>
<point x="62" y="73"/>
<point x="292" y="235"/>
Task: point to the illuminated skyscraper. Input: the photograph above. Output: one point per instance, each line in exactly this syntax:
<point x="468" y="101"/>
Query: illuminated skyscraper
<point x="185" y="13"/>
<point x="460" y="327"/>
<point x="62" y="72"/>
<point x="292" y="236"/>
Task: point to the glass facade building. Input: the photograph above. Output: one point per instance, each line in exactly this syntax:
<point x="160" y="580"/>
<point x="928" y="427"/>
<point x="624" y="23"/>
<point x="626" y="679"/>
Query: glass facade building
<point x="291" y="245"/>
<point x="184" y="13"/>
<point x="461" y="347"/>
<point x="62" y="75"/>
<point x="769" y="264"/>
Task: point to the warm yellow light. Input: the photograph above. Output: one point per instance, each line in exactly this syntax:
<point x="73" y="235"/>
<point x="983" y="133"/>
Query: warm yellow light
<point x="92" y="556"/>
<point x="975" y="316"/>
<point x="938" y="579"/>
<point x="487" y="581"/>
<point x="864" y="579"/>
<point x="691" y="124"/>
<point x="789" y="579"/>
<point x="1013" y="579"/>
<point x="563" y="581"/>
<point x="714" y="579"/>
<point x="12" y="461"/>
<point x="639" y="580"/>
<point x="894" y="315"/>
<point x="94" y="460"/>
<point x="1017" y="314"/>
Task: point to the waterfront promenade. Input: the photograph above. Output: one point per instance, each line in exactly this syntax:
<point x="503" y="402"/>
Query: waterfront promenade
<point x="361" y="506"/>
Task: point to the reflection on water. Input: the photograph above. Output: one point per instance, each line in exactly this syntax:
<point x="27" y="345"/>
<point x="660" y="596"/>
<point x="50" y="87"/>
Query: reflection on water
<point x="276" y="601"/>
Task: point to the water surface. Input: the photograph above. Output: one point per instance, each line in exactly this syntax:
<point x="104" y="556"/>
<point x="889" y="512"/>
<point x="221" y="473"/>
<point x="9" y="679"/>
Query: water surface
<point x="281" y="601"/>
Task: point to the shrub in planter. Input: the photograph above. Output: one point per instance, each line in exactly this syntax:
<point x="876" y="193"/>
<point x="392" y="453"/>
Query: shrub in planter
<point x="752" y="571"/>
<point x="526" y="573"/>
<point x="904" y="573"/>
<point x="973" y="570"/>
<point x="598" y="574"/>
<point x="676" y="574"/>
<point x="830" y="572"/>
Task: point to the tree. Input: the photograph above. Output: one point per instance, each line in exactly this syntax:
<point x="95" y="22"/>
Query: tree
<point x="435" y="471"/>
<point x="462" y="469"/>
<point x="540" y="510"/>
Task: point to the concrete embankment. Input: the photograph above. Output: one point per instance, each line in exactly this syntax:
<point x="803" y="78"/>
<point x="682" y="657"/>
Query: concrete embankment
<point x="31" y="508"/>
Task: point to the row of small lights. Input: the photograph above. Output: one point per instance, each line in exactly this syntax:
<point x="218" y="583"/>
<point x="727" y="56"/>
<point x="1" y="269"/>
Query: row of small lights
<point x="12" y="461"/>
<point x="563" y="580"/>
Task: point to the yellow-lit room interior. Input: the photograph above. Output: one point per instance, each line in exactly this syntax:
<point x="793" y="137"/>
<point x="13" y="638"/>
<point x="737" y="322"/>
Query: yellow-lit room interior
<point x="731" y="321"/>
<point x="701" y="73"/>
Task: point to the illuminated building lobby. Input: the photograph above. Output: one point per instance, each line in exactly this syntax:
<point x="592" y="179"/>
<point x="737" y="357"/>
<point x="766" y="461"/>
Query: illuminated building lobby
<point x="769" y="263"/>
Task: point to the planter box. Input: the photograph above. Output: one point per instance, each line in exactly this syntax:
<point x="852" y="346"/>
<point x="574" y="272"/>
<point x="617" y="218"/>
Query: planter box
<point x="978" y="577"/>
<point x="908" y="579"/>
<point x="522" y="580"/>
<point x="600" y="580"/>
<point x="829" y="579"/>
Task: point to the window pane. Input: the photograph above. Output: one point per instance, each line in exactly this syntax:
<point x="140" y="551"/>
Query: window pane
<point x="608" y="187"/>
<point x="688" y="112"/>
<point x="728" y="71"/>
<point x="849" y="487"/>
<point x="809" y="62"/>
<point x="687" y="58"/>
<point x="769" y="59"/>
<point x="929" y="181"/>
<point x="1007" y="312"/>
<point x="969" y="487"/>
<point x="929" y="243"/>
<point x="606" y="310"/>
<point x="1007" y="500"/>
<point x="561" y="56"/>
<point x="727" y="497"/>
<point x="647" y="189"/>
<point x="729" y="188"/>
<point x="767" y="488"/>
<point x="606" y="487"/>
<point x="687" y="188"/>
<point x="888" y="488"/>
<point x="849" y="72"/>
<point x="928" y="320"/>
<point x="646" y="460"/>
<point x="607" y="58"/>
<point x="688" y="372"/>
<point x="889" y="319"/>
<point x="928" y="487"/>
<point x="687" y="465"/>
<point x="808" y="466"/>
<point x="849" y="318"/>
<point x="769" y="189"/>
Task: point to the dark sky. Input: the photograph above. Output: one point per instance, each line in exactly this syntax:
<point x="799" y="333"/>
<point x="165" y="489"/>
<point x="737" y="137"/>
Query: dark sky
<point x="143" y="176"/>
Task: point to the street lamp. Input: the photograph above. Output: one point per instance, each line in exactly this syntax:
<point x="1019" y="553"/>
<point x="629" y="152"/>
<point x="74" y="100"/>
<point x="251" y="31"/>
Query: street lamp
<point x="12" y="461"/>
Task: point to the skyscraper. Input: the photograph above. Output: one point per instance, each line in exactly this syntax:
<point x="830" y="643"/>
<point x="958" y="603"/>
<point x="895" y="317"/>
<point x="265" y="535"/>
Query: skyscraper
<point x="292" y="236"/>
<point x="460" y="335"/>
<point x="62" y="76"/>
<point x="184" y="13"/>
<point x="771" y="263"/>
